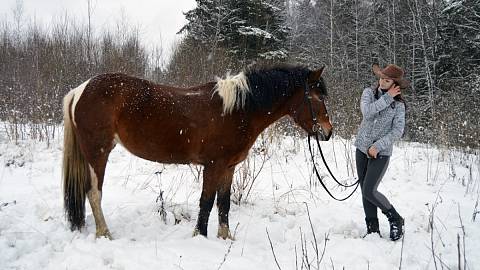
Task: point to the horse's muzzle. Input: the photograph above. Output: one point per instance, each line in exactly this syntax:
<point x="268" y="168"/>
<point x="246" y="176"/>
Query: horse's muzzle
<point x="324" y="135"/>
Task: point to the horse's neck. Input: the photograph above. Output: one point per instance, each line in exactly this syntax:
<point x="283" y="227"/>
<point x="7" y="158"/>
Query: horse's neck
<point x="260" y="120"/>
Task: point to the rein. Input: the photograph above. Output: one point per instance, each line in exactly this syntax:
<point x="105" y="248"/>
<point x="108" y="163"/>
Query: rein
<point x="316" y="128"/>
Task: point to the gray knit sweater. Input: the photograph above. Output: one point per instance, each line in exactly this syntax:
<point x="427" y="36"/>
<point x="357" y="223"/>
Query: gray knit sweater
<point x="381" y="124"/>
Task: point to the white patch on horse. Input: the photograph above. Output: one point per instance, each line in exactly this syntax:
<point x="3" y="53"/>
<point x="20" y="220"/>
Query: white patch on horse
<point x="116" y="139"/>
<point x="77" y="93"/>
<point x="233" y="90"/>
<point x="193" y="94"/>
<point x="94" y="179"/>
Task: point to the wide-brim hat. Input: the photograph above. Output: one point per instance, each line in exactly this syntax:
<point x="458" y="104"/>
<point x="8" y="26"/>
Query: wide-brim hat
<point x="393" y="72"/>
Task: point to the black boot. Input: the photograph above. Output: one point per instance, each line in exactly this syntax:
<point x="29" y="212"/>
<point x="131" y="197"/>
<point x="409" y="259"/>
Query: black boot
<point x="372" y="226"/>
<point x="396" y="224"/>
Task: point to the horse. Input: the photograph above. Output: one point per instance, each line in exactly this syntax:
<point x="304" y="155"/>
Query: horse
<point x="213" y="124"/>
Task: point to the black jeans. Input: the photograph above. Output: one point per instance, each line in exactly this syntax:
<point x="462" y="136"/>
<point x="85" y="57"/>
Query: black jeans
<point x="370" y="172"/>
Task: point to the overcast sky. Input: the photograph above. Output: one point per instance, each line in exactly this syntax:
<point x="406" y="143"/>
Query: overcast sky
<point x="159" y="19"/>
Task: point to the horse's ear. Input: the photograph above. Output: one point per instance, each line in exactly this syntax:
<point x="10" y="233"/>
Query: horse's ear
<point x="316" y="74"/>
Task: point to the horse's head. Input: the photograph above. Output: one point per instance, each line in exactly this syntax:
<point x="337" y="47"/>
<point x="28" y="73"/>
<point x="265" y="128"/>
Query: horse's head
<point x="311" y="113"/>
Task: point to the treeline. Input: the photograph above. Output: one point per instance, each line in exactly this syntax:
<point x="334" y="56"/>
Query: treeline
<point x="39" y="65"/>
<point x="436" y="41"/>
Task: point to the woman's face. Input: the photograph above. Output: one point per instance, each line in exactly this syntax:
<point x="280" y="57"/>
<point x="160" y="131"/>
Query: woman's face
<point x="385" y="83"/>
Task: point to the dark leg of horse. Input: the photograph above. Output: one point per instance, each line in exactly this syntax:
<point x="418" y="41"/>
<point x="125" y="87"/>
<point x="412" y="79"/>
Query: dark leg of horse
<point x="223" y="204"/>
<point x="211" y="175"/>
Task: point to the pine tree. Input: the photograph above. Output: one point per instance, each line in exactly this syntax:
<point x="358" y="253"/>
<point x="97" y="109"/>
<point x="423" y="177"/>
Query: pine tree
<point x="460" y="46"/>
<point x="248" y="30"/>
<point x="263" y="33"/>
<point x="207" y="22"/>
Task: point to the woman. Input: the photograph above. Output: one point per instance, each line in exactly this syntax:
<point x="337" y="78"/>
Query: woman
<point x="383" y="122"/>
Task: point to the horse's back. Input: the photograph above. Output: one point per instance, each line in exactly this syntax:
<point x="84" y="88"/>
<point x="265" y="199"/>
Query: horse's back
<point x="155" y="122"/>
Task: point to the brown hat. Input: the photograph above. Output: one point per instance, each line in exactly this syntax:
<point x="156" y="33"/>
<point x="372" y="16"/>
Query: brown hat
<point x="393" y="72"/>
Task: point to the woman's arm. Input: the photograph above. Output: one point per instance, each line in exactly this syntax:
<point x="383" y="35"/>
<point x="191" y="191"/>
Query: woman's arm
<point x="396" y="132"/>
<point x="369" y="108"/>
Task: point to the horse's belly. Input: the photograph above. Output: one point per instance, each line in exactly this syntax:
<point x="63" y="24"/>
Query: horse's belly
<point x="161" y="148"/>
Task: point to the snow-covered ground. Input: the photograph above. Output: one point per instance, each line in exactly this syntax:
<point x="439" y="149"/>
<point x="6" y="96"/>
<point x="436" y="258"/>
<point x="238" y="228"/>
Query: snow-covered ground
<point x="35" y="235"/>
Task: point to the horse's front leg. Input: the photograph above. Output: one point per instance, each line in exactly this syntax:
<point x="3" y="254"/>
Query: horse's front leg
<point x="217" y="179"/>
<point x="211" y="174"/>
<point x="223" y="204"/>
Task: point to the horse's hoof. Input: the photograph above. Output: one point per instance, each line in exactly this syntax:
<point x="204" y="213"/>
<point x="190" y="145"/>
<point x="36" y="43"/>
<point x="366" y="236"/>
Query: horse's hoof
<point x="224" y="232"/>
<point x="197" y="232"/>
<point x="105" y="234"/>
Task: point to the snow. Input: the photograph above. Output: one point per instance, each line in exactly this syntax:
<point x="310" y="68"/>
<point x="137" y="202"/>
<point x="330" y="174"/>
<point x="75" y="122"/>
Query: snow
<point x="35" y="235"/>
<point x="279" y="54"/>
<point x="254" y="31"/>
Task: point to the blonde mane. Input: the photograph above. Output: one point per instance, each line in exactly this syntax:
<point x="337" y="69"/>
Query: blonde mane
<point x="233" y="90"/>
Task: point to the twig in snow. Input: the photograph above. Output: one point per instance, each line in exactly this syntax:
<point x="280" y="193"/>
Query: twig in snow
<point x="430" y="225"/>
<point x="401" y="252"/>
<point x="161" y="208"/>
<point x="229" y="247"/>
<point x="459" y="252"/>
<point x="179" y="263"/>
<point x="463" y="240"/>
<point x="303" y="242"/>
<point x="296" y="258"/>
<point x="3" y="205"/>
<point x="315" y="243"/>
<point x="475" y="211"/>
<point x="442" y="264"/>
<point x="306" y="259"/>
<point x="273" y="252"/>
<point x="196" y="171"/>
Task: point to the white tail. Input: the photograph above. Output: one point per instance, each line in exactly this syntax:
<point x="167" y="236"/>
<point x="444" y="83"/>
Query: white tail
<point x="76" y="175"/>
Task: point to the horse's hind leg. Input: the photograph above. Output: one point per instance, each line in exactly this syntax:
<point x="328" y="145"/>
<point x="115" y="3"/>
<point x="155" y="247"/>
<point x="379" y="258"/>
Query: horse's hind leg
<point x="95" y="199"/>
<point x="97" y="156"/>
<point x="223" y="204"/>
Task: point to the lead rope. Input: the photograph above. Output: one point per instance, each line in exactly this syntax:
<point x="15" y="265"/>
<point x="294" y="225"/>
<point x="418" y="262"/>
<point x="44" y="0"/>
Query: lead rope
<point x="315" y="130"/>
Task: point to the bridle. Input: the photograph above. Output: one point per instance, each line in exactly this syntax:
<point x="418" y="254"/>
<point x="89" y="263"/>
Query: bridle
<point x="315" y="128"/>
<point x="308" y="100"/>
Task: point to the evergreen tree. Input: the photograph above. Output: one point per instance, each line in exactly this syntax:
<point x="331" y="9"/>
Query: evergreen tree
<point x="261" y="32"/>
<point x="460" y="39"/>
<point x="207" y="22"/>
<point x="248" y="30"/>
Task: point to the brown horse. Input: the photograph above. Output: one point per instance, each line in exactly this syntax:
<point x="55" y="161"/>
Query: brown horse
<point x="214" y="124"/>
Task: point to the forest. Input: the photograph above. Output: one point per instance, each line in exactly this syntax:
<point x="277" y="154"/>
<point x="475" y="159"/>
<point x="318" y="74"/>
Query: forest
<point x="435" y="41"/>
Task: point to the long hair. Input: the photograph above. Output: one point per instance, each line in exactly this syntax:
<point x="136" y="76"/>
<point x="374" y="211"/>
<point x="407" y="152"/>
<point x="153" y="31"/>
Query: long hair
<point x="398" y="97"/>
<point x="76" y="174"/>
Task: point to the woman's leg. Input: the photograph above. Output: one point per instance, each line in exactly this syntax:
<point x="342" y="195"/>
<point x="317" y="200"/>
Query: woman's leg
<point x="375" y="170"/>
<point x="362" y="164"/>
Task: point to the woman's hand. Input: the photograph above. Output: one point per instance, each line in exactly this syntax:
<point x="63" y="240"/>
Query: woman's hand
<point x="372" y="152"/>
<point x="394" y="90"/>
